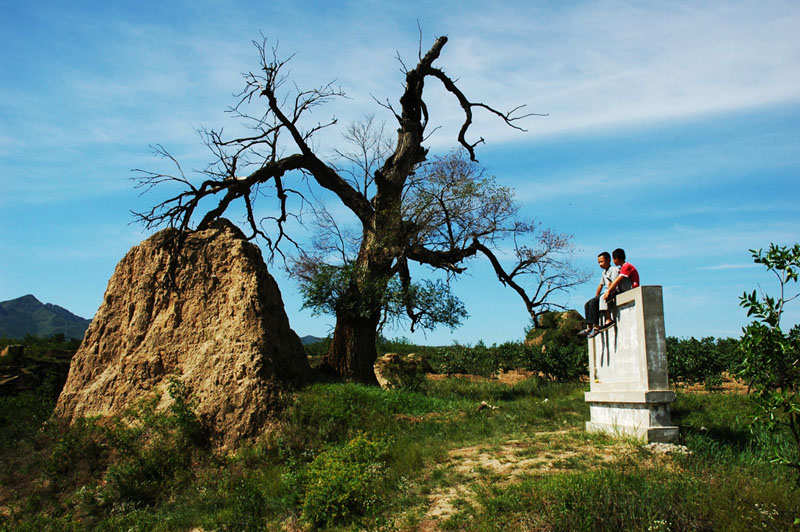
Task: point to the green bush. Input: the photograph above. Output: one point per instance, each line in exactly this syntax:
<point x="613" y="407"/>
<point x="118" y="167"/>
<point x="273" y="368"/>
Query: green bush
<point x="558" y="362"/>
<point x="771" y="365"/>
<point x="318" y="349"/>
<point x="22" y="415"/>
<point x="341" y="482"/>
<point x="459" y="358"/>
<point x="408" y="372"/>
<point x="692" y="361"/>
<point x="557" y="328"/>
<point x="554" y="349"/>
<point x="154" y="449"/>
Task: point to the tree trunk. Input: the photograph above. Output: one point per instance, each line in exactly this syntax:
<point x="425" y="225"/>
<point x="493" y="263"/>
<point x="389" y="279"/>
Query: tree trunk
<point x="352" y="352"/>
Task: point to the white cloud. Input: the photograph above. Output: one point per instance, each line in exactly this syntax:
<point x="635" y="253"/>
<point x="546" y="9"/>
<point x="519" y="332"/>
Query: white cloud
<point x="727" y="266"/>
<point x="596" y="64"/>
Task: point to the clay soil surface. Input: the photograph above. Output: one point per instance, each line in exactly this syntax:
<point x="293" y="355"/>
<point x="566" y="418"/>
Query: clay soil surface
<point x="506" y="462"/>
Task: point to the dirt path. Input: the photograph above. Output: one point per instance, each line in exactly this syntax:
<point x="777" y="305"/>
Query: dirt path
<point x="506" y="462"/>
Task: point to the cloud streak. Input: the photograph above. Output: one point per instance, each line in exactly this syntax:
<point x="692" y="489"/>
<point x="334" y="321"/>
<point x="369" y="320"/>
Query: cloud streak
<point x="718" y="267"/>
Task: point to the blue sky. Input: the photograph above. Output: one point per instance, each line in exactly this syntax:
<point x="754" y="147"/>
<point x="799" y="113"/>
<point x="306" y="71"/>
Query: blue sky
<point x="672" y="131"/>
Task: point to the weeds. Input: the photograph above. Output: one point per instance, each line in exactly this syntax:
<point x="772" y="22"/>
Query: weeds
<point x="341" y="483"/>
<point x="348" y="457"/>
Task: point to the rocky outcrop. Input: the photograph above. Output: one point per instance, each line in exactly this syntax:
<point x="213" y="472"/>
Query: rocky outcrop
<point x="557" y="328"/>
<point x="396" y="371"/>
<point x="216" y="322"/>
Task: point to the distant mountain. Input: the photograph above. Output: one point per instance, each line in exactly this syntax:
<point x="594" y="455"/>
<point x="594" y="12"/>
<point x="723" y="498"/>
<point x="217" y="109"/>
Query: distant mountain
<point x="27" y="315"/>
<point x="307" y="340"/>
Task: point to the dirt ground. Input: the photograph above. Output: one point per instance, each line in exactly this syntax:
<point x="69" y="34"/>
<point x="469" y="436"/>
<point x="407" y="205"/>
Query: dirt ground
<point x="547" y="452"/>
<point x="507" y="462"/>
<point x="729" y="385"/>
<point x="507" y="377"/>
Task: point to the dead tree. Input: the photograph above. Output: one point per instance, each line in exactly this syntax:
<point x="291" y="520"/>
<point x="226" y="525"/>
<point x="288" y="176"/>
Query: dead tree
<point x="407" y="211"/>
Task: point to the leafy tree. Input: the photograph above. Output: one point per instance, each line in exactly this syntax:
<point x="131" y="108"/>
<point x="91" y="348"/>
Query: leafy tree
<point x="554" y="349"/>
<point x="771" y="364"/>
<point x="438" y="213"/>
<point x="693" y="361"/>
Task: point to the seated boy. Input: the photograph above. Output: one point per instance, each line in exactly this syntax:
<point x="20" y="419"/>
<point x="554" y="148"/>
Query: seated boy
<point x="628" y="275"/>
<point x="628" y="278"/>
<point x="596" y="304"/>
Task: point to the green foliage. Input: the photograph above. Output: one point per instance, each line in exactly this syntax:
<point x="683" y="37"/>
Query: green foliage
<point x="154" y="449"/>
<point x="318" y="349"/>
<point x="620" y="498"/>
<point x="38" y="365"/>
<point x="771" y="364"/>
<point x="341" y="481"/>
<point x="557" y="328"/>
<point x="369" y="456"/>
<point x="345" y="456"/>
<point x="36" y="345"/>
<point x="402" y="346"/>
<point x="555" y="361"/>
<point x="409" y="372"/>
<point x="82" y="444"/>
<point x="477" y="360"/>
<point x="693" y="361"/>
<point x="349" y="290"/>
<point x="559" y="362"/>
<point x="14" y="427"/>
<point x="554" y="348"/>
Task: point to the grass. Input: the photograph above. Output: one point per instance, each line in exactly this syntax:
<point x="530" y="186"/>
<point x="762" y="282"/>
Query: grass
<point x="350" y="457"/>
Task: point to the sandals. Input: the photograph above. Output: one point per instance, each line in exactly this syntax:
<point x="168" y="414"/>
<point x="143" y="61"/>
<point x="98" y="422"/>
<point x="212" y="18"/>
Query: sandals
<point x="608" y="325"/>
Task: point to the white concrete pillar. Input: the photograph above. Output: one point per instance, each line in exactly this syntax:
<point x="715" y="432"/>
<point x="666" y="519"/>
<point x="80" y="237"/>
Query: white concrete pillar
<point x="629" y="392"/>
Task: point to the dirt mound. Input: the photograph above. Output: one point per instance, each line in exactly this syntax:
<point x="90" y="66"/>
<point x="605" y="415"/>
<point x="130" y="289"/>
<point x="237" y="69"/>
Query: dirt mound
<point x="219" y="327"/>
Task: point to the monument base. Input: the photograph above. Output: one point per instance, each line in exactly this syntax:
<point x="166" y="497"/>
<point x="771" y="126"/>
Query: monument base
<point x="648" y="435"/>
<point x="643" y="415"/>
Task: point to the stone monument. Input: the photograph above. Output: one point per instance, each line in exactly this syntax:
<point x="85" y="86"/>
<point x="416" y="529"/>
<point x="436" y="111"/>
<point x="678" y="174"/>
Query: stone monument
<point x="629" y="392"/>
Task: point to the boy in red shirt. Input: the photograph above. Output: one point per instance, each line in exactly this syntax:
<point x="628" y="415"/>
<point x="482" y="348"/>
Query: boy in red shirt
<point x="628" y="276"/>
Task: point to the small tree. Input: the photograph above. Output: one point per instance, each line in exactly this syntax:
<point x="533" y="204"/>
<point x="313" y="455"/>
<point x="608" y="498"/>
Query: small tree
<point x="771" y="364"/>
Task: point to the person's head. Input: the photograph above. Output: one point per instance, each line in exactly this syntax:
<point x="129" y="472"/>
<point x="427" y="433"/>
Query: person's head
<point x="619" y="256"/>
<point x="604" y="260"/>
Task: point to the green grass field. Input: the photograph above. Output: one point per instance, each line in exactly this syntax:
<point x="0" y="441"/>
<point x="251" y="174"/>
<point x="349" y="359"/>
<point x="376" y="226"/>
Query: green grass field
<point x="349" y="457"/>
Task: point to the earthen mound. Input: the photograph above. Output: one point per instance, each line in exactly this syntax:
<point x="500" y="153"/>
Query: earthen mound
<point x="216" y="322"/>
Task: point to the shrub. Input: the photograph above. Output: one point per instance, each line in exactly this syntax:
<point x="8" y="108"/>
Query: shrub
<point x="22" y="415"/>
<point x="318" y="349"/>
<point x="771" y="365"/>
<point x="693" y="361"/>
<point x="554" y="348"/>
<point x="341" y="482"/>
<point x="459" y="358"/>
<point x="557" y="328"/>
<point x="558" y="362"/>
<point x="154" y="448"/>
<point x="409" y="372"/>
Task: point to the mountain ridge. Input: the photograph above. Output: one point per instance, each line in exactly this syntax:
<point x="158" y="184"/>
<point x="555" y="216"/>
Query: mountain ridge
<point x="27" y="315"/>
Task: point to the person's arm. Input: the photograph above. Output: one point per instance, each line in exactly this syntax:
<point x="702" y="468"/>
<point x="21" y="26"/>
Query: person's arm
<point x="613" y="285"/>
<point x="599" y="289"/>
